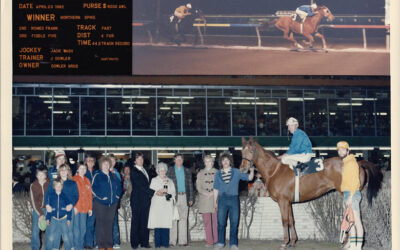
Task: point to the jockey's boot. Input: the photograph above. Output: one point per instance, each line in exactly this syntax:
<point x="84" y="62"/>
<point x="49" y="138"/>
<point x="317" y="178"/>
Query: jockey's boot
<point x="300" y="166"/>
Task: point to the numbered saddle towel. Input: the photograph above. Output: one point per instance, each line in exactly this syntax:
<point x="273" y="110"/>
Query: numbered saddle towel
<point x="314" y="165"/>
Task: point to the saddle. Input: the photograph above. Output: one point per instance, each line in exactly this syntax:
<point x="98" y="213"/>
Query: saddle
<point x="297" y="18"/>
<point x="315" y="165"/>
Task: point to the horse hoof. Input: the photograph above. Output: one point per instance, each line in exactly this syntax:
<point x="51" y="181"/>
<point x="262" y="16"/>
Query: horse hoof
<point x="282" y="247"/>
<point x="299" y="46"/>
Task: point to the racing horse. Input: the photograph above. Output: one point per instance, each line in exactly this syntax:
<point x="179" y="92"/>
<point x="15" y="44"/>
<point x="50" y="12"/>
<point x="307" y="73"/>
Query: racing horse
<point x="176" y="32"/>
<point x="308" y="29"/>
<point x="280" y="181"/>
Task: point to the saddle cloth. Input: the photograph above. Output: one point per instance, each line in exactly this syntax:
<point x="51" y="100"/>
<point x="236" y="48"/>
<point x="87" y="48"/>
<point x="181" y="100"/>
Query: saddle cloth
<point x="316" y="164"/>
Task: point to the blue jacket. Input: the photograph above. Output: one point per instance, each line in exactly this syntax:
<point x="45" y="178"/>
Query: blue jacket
<point x="59" y="205"/>
<point x="90" y="175"/>
<point x="232" y="188"/>
<point x="300" y="144"/>
<point x="106" y="189"/>
<point x="307" y="8"/>
<point x="70" y="189"/>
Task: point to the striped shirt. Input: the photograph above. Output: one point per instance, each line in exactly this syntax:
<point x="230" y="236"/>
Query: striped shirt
<point x="226" y="176"/>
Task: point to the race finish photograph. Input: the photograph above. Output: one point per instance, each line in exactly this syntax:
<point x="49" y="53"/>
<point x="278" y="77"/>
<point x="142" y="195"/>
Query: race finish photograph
<point x="261" y="37"/>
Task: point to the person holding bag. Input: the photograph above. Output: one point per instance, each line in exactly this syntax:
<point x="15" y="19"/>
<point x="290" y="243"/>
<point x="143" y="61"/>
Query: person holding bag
<point x="162" y="206"/>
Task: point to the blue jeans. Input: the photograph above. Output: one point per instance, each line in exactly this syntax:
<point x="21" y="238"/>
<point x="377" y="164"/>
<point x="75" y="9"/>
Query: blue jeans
<point x="116" y="239"/>
<point x="35" y="239"/>
<point x="90" y="235"/>
<point x="161" y="237"/>
<point x="71" y="228"/>
<point x="228" y="204"/>
<point x="79" y="230"/>
<point x="355" y="201"/>
<point x="58" y="229"/>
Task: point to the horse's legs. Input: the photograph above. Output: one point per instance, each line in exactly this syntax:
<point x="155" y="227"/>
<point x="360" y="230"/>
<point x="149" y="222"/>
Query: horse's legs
<point x="322" y="39"/>
<point x="293" y="235"/>
<point x="310" y="39"/>
<point x="284" y="208"/>
<point x="290" y="38"/>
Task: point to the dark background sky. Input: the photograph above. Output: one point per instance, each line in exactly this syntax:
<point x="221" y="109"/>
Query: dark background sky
<point x="147" y="8"/>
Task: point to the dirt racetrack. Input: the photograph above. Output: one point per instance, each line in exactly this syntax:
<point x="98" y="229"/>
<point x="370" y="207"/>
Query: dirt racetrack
<point x="164" y="59"/>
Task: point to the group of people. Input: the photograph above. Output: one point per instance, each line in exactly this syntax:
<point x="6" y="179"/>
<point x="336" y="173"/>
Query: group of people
<point x="83" y="209"/>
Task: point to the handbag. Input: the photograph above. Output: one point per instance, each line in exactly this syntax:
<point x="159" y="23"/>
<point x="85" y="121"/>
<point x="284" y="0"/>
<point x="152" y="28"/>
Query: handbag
<point x="175" y="215"/>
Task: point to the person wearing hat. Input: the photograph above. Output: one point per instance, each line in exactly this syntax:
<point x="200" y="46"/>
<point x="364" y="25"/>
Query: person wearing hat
<point x="300" y="146"/>
<point x="37" y="191"/>
<point x="60" y="157"/>
<point x="183" y="11"/>
<point x="306" y="10"/>
<point x="350" y="187"/>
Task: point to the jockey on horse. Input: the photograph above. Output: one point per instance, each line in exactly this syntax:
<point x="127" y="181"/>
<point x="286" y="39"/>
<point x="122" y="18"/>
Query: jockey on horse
<point x="299" y="149"/>
<point x="181" y="12"/>
<point x="306" y="10"/>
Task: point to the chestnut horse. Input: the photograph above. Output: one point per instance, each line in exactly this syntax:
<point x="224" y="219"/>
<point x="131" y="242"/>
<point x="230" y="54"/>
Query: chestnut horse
<point x="280" y="181"/>
<point x="309" y="29"/>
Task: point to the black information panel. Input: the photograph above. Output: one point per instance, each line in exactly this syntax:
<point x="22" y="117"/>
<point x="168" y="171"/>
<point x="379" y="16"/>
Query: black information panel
<point x="72" y="37"/>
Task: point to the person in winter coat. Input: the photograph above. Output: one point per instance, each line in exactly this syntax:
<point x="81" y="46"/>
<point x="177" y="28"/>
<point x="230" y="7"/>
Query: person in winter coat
<point x="106" y="190"/>
<point x="204" y="185"/>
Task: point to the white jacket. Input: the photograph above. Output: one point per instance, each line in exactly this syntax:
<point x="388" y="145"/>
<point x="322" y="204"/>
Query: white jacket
<point x="161" y="210"/>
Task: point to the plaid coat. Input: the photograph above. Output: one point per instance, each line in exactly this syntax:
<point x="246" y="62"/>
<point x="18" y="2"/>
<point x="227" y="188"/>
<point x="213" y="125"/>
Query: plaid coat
<point x="188" y="183"/>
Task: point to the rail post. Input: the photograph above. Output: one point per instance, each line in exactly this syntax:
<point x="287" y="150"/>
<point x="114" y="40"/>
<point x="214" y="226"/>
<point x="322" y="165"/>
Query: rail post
<point x="258" y="36"/>
<point x="200" y="35"/>
<point x="364" y="38"/>
<point x="150" y="36"/>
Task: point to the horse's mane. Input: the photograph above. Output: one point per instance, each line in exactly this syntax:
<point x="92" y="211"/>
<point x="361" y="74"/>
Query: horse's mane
<point x="322" y="7"/>
<point x="268" y="152"/>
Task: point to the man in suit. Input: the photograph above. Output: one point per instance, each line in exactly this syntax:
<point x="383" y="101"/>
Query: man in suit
<point x="182" y="179"/>
<point x="140" y="203"/>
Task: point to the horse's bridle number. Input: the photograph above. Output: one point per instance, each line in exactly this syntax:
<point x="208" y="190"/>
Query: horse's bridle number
<point x="320" y="164"/>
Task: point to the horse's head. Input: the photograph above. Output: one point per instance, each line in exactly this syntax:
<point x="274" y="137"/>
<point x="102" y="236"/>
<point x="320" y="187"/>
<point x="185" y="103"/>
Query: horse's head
<point x="249" y="151"/>
<point x="197" y="13"/>
<point x="325" y="12"/>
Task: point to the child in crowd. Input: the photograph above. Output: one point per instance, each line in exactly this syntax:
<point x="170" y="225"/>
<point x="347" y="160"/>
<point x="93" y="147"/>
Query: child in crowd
<point x="59" y="219"/>
<point x="37" y="191"/>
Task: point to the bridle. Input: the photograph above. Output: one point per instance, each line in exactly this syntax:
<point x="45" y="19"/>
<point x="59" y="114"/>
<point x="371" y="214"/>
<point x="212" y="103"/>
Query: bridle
<point x="252" y="158"/>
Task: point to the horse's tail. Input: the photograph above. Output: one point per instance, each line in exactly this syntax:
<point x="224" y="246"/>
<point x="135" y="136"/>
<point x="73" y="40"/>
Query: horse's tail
<point x="374" y="179"/>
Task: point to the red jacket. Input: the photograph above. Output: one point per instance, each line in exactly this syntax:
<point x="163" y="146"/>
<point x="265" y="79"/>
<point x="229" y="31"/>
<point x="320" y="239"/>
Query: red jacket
<point x="84" y="203"/>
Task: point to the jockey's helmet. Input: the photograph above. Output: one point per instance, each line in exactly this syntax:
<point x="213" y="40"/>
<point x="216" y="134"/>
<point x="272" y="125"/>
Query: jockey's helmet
<point x="342" y="144"/>
<point x="292" y="121"/>
<point x="314" y="5"/>
<point x="189" y="5"/>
